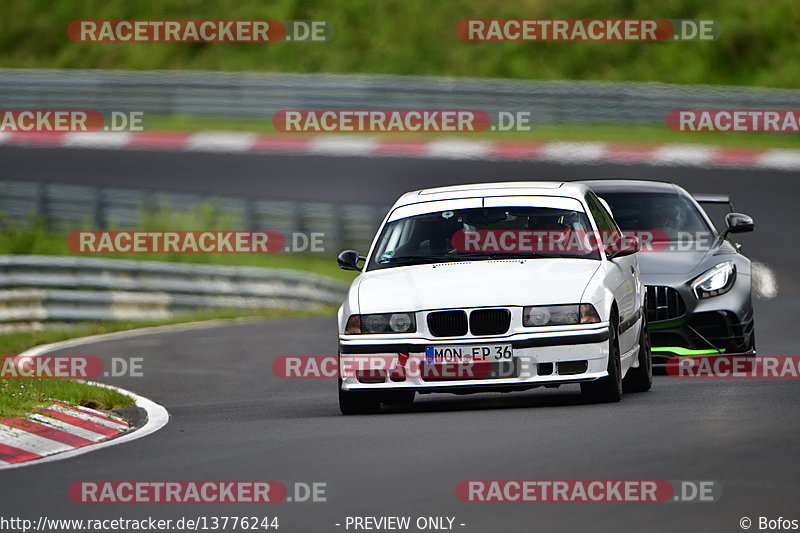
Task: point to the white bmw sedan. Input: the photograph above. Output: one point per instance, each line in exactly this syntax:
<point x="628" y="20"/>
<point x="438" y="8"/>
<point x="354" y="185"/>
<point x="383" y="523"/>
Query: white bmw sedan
<point x="493" y="288"/>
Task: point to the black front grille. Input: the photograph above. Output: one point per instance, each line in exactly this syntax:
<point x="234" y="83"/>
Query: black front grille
<point x="664" y="303"/>
<point x="448" y="324"/>
<point x="489" y="321"/>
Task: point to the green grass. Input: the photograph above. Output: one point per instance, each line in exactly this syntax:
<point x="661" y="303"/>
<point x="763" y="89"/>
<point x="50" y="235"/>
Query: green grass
<point x="616" y="133"/>
<point x="758" y="46"/>
<point x="20" y="396"/>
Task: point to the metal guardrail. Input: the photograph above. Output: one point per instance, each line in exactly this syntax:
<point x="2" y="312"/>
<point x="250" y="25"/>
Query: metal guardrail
<point x="70" y="207"/>
<point x="255" y="95"/>
<point x="66" y="289"/>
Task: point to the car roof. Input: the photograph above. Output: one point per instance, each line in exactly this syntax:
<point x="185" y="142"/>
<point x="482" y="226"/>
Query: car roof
<point x="503" y="188"/>
<point x="625" y="185"/>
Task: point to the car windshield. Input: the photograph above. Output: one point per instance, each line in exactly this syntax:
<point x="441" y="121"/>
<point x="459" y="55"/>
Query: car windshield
<point x="483" y="233"/>
<point x="671" y="216"/>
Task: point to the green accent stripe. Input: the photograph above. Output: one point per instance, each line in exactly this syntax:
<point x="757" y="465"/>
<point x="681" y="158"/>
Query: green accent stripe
<point x="677" y="350"/>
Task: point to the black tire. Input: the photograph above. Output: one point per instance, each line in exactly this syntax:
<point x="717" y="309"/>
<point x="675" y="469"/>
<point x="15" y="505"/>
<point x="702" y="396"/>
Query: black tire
<point x="641" y="379"/>
<point x="398" y="397"/>
<point x="358" y="402"/>
<point x="609" y="388"/>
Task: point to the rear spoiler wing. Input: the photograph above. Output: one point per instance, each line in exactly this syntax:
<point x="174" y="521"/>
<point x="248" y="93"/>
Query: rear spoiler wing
<point x="714" y="199"/>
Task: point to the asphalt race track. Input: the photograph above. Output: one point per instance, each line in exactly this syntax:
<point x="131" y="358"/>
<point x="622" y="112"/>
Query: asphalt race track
<point x="231" y="418"/>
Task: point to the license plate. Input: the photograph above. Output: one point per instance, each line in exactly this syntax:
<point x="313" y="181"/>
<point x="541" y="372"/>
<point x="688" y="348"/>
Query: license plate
<point x="468" y="354"/>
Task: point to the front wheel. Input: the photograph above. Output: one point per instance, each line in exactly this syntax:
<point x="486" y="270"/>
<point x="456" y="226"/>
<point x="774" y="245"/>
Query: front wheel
<point x="640" y="379"/>
<point x="609" y="388"/>
<point x="358" y="402"/>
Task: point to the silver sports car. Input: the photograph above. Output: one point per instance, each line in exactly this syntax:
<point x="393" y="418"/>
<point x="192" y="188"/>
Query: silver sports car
<point x="698" y="281"/>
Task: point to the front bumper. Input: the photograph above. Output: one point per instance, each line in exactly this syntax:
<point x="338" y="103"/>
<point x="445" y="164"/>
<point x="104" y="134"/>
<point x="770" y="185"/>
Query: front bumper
<point x="539" y="359"/>
<point x="722" y="325"/>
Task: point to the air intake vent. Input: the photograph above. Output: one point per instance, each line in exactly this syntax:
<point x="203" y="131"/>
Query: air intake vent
<point x="568" y="368"/>
<point x="489" y="321"/>
<point x="448" y="324"/>
<point x="664" y="303"/>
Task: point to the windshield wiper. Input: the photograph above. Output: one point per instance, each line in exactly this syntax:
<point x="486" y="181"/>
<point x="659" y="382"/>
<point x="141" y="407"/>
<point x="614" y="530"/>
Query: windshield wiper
<point x="427" y="259"/>
<point x="504" y="255"/>
<point x="417" y="259"/>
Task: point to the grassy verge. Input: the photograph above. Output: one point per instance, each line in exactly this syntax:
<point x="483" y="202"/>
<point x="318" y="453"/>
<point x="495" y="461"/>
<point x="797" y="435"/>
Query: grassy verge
<point x="758" y="45"/>
<point x="19" y="396"/>
<point x="614" y="133"/>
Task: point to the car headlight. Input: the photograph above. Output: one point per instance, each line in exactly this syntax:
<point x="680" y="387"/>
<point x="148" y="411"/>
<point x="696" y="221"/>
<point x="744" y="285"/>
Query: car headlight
<point x="559" y="315"/>
<point x="715" y="281"/>
<point x="381" y="323"/>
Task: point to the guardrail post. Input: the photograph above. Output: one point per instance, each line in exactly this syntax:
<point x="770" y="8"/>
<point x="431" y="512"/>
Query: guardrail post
<point x="149" y="205"/>
<point x="249" y="216"/>
<point x="335" y="243"/>
<point x="298" y="223"/>
<point x="42" y="208"/>
<point x="98" y="208"/>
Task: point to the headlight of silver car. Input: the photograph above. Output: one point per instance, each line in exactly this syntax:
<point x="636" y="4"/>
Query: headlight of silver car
<point x="715" y="281"/>
<point x="559" y="315"/>
<point x="382" y="323"/>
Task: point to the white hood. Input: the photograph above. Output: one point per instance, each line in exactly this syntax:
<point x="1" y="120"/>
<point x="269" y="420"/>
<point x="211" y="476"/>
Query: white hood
<point x="475" y="284"/>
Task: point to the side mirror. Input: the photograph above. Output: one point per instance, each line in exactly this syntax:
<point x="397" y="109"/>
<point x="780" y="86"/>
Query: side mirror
<point x="738" y="223"/>
<point x="625" y="245"/>
<point x="348" y="260"/>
